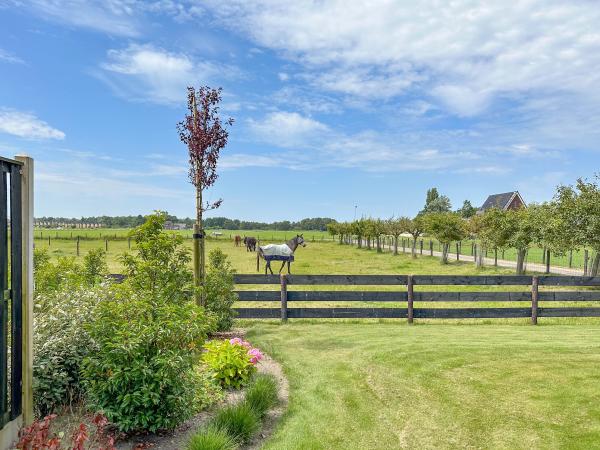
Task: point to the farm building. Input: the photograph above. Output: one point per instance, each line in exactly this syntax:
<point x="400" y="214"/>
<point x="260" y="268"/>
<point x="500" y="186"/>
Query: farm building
<point x="505" y="201"/>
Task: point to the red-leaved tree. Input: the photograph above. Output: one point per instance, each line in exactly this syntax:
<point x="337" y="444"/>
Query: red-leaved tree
<point x="205" y="135"/>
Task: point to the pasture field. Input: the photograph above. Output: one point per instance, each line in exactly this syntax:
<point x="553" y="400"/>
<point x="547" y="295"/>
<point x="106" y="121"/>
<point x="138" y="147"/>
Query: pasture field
<point x="327" y="257"/>
<point x="384" y="386"/>
<point x="534" y="255"/>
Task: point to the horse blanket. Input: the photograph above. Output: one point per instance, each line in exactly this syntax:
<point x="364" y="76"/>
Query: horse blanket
<point x="277" y="252"/>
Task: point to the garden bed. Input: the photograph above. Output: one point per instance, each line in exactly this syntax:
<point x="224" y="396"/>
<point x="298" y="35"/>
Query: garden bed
<point x="177" y="439"/>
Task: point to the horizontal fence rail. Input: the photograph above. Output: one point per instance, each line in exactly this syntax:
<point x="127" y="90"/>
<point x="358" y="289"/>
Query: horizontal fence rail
<point x="409" y="296"/>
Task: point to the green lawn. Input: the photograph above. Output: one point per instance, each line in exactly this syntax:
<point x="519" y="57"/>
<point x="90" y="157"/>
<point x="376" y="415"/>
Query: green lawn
<point x="388" y="386"/>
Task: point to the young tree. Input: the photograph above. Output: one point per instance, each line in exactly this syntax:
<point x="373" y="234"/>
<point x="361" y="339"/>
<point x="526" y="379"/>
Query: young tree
<point x="378" y="231"/>
<point x="205" y="136"/>
<point x="491" y="229"/>
<point x="358" y="229"/>
<point x="446" y="228"/>
<point x="579" y="207"/>
<point x="522" y="229"/>
<point x="415" y="227"/>
<point x="395" y="227"/>
<point x="334" y="230"/>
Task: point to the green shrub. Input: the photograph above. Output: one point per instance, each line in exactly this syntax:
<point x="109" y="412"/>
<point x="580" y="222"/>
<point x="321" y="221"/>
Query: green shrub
<point x="148" y="338"/>
<point x="219" y="289"/>
<point x="212" y="438"/>
<point x="208" y="391"/>
<point x="95" y="268"/>
<point x="230" y="361"/>
<point x="240" y="421"/>
<point x="61" y="343"/>
<point x="262" y="394"/>
<point x="141" y="372"/>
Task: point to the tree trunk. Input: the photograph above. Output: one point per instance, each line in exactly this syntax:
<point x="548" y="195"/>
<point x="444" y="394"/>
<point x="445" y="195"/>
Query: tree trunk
<point x="395" y="245"/>
<point x="199" y="273"/>
<point x="445" y="249"/>
<point x="369" y="243"/>
<point x="521" y="261"/>
<point x="413" y="250"/>
<point x="378" y="244"/>
<point x="595" y="265"/>
<point x="479" y="263"/>
<point x="359" y="240"/>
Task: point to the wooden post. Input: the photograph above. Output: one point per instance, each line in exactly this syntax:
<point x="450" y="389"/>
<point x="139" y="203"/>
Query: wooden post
<point x="106" y="244"/>
<point x="27" y="287"/>
<point x="129" y="243"/>
<point x="495" y="257"/>
<point x="421" y="245"/>
<point x="410" y="296"/>
<point x="534" y="299"/>
<point x="457" y="252"/>
<point x="586" y="257"/>
<point x="548" y="261"/>
<point x="283" y="278"/>
<point x="403" y="246"/>
<point x="430" y="247"/>
<point x="77" y="245"/>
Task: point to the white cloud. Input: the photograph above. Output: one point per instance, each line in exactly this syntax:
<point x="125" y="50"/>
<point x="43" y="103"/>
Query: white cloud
<point x="10" y="58"/>
<point x="27" y="125"/>
<point x="287" y="128"/>
<point x="148" y="73"/>
<point x="464" y="54"/>
<point x="283" y="76"/>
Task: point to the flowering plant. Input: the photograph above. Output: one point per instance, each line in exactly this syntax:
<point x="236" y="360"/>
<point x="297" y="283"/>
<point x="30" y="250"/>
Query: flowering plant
<point x="232" y="361"/>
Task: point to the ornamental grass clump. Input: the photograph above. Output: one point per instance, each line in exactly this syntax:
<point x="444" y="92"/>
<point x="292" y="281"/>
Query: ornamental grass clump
<point x="239" y="421"/>
<point x="232" y="362"/>
<point x="212" y="438"/>
<point x="262" y="394"/>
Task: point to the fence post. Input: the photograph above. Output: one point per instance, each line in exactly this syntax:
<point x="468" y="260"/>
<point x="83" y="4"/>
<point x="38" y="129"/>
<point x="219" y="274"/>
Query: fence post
<point x="421" y="245"/>
<point x="495" y="257"/>
<point x="106" y="244"/>
<point x="129" y="243"/>
<point x="586" y="256"/>
<point x="534" y="299"/>
<point x="548" y="261"/>
<point x="430" y="247"/>
<point x="77" y="245"/>
<point x="410" y="299"/>
<point x="457" y="252"/>
<point x="27" y="286"/>
<point x="283" y="278"/>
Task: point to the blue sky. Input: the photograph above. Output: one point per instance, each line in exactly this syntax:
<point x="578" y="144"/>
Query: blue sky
<point x="335" y="103"/>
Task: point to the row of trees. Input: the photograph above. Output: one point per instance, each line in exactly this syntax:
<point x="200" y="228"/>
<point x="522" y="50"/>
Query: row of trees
<point x="571" y="221"/>
<point x="314" y="223"/>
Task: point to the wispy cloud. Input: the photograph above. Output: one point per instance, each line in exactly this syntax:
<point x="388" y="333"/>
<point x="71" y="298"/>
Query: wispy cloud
<point x="27" y="125"/>
<point x="149" y="73"/>
<point x="287" y="128"/>
<point x="9" y="57"/>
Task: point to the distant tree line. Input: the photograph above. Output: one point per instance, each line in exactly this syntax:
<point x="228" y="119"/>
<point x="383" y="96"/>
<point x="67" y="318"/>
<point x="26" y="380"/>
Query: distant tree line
<point x="312" y="224"/>
<point x="570" y="221"/>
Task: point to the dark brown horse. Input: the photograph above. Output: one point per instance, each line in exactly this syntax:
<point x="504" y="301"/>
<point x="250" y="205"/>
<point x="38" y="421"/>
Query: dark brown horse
<point x="237" y="239"/>
<point x="283" y="252"/>
<point x="250" y="243"/>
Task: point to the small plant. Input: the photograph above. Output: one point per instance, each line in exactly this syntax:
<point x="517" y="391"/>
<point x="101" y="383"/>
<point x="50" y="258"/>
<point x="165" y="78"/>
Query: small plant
<point x="38" y="436"/>
<point x="219" y="289"/>
<point x="232" y="361"/>
<point x="212" y="438"/>
<point x="262" y="394"/>
<point x="239" y="421"/>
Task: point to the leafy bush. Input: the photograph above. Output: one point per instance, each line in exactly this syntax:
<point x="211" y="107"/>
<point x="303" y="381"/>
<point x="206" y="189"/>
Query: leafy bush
<point x="262" y="394"/>
<point x="212" y="438"/>
<point x="240" y="421"/>
<point x="159" y="266"/>
<point x="141" y="373"/>
<point x="232" y="361"/>
<point x="61" y="342"/>
<point x="148" y="338"/>
<point x="66" y="273"/>
<point x="219" y="289"/>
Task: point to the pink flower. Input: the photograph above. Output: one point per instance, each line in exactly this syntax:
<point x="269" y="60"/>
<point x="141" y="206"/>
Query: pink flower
<point x="235" y="341"/>
<point x="255" y="355"/>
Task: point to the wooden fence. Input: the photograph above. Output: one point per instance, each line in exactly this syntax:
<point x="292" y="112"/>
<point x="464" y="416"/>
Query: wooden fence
<point x="409" y="296"/>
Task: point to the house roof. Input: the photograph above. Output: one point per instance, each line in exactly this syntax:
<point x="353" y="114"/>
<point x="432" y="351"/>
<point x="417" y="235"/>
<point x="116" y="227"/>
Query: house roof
<point x="500" y="201"/>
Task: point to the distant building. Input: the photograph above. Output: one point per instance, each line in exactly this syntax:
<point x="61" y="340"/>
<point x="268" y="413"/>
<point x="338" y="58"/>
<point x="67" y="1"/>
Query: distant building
<point x="504" y="202"/>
